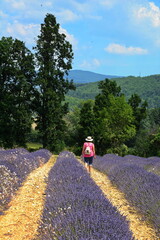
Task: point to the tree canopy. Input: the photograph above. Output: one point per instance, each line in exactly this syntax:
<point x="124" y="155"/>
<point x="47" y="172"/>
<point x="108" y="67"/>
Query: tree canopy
<point x="54" y="58"/>
<point x="17" y="77"/>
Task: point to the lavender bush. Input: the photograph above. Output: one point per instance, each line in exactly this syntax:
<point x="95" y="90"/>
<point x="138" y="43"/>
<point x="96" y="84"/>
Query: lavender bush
<point x="8" y="185"/>
<point x="15" y="165"/>
<point x="108" y="161"/>
<point x="22" y="162"/>
<point x="28" y="162"/>
<point x="141" y="188"/>
<point x="155" y="165"/>
<point x="11" y="154"/>
<point x="76" y="208"/>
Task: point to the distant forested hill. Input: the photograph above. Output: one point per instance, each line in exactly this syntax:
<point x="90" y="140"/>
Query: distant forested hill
<point x="148" y="88"/>
<point x="80" y="76"/>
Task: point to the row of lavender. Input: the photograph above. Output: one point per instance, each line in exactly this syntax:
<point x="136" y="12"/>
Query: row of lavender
<point x="141" y="188"/>
<point x="75" y="207"/>
<point x="15" y="165"/>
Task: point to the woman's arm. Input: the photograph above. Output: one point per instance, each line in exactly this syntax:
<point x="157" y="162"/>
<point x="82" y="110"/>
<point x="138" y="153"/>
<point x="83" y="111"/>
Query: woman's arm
<point x="94" y="151"/>
<point x="83" y="150"/>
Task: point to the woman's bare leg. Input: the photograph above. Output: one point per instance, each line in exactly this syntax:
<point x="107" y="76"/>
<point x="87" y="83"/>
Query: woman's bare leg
<point x="89" y="168"/>
<point x="86" y="166"/>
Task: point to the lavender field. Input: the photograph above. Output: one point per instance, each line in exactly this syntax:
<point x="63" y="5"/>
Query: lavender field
<point x="135" y="177"/>
<point x="75" y="207"/>
<point x="15" y="166"/>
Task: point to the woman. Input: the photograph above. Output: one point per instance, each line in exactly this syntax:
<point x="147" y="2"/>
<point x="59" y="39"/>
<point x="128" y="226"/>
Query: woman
<point x="88" y="152"/>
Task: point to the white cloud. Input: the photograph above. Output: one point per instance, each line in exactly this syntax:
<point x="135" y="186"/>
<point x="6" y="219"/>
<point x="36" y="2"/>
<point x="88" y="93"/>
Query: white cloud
<point x="82" y="7"/>
<point x="96" y="62"/>
<point x="2" y="14"/>
<point x="108" y="3"/>
<point x="152" y="12"/>
<point x="69" y="37"/>
<point x="17" y="4"/>
<point x="87" y="9"/>
<point x="121" y="49"/>
<point x="47" y="4"/>
<point x="20" y="28"/>
<point x="67" y="15"/>
<point x="26" y="33"/>
<point x="90" y="64"/>
<point x="157" y="42"/>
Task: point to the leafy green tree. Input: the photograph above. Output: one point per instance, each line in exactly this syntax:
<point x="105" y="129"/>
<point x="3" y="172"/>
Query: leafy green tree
<point x="114" y="116"/>
<point x="17" y="74"/>
<point x="54" y="58"/>
<point x="139" y="109"/>
<point x="72" y="123"/>
<point x="107" y="88"/>
<point x="155" y="143"/>
<point x="119" y="121"/>
<point x="116" y="125"/>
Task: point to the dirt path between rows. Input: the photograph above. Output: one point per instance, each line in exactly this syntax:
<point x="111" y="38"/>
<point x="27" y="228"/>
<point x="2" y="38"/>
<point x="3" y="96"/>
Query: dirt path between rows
<point x="140" y="229"/>
<point x="20" y="221"/>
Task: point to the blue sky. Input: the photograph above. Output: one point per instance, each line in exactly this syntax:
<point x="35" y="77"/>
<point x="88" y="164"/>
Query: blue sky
<point x="115" y="37"/>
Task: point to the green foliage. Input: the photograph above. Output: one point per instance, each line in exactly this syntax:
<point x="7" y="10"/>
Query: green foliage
<point x="119" y="120"/>
<point x="33" y="146"/>
<point x="17" y="76"/>
<point x="114" y="124"/>
<point x="84" y="91"/>
<point x="54" y="57"/>
<point x="86" y="121"/>
<point x="145" y="87"/>
<point x="139" y="109"/>
<point x="142" y="146"/>
<point x="146" y="142"/>
<point x="155" y="143"/>
<point x="72" y="122"/>
<point x="34" y="136"/>
<point x="73" y="102"/>
<point x="121" y="150"/>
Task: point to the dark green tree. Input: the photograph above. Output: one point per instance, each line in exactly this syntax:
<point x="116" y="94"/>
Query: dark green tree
<point x="139" y="109"/>
<point x="155" y="143"/>
<point x="54" y="58"/>
<point x="86" y="122"/>
<point x="17" y="74"/>
<point x="107" y="88"/>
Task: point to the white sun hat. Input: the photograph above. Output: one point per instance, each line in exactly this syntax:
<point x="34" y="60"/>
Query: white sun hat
<point x="89" y="139"/>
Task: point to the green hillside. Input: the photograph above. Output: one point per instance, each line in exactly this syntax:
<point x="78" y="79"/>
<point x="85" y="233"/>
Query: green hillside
<point x="148" y="88"/>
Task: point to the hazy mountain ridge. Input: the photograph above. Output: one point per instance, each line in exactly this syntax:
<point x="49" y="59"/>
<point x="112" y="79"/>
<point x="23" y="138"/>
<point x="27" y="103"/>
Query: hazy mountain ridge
<point x="148" y="88"/>
<point x="80" y="76"/>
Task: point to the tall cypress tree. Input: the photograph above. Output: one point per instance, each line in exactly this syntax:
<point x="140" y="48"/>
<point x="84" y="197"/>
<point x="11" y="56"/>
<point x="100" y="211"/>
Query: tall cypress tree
<point x="54" y="58"/>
